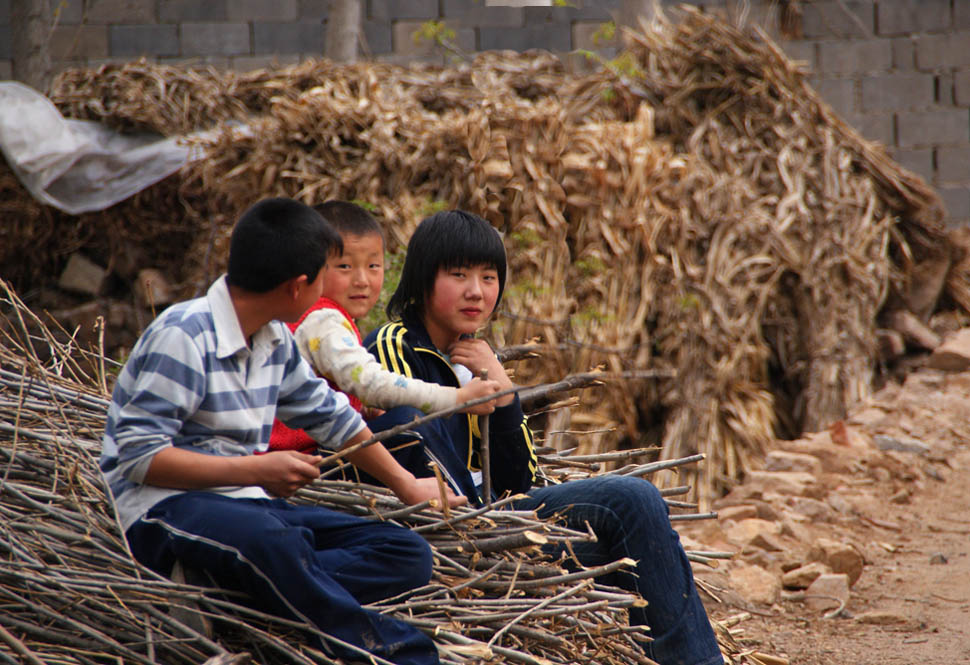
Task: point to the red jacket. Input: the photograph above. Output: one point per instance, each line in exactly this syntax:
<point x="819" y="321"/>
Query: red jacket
<point x="286" y="438"/>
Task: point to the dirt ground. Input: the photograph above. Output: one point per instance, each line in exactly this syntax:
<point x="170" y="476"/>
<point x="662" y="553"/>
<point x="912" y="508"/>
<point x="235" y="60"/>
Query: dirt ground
<point x="908" y="513"/>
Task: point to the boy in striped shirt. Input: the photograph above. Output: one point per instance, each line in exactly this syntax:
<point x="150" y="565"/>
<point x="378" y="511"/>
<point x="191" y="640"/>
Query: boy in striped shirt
<point x="196" y="400"/>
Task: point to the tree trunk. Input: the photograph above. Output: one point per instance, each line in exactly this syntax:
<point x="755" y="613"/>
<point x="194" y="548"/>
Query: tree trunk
<point x="30" y="25"/>
<point x="343" y="30"/>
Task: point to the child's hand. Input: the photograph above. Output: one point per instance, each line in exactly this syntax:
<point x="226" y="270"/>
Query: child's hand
<point x="473" y="390"/>
<point x="423" y="489"/>
<point x="283" y="472"/>
<point x="476" y="355"/>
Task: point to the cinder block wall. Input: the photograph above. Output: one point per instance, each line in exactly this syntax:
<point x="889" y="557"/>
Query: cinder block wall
<point x="898" y="70"/>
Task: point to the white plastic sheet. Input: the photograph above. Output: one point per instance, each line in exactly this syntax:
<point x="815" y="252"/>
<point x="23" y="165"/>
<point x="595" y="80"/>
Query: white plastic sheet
<point x="78" y="165"/>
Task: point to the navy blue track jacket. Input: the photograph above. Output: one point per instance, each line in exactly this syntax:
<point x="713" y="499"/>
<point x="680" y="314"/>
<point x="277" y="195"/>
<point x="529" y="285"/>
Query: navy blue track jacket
<point x="405" y="348"/>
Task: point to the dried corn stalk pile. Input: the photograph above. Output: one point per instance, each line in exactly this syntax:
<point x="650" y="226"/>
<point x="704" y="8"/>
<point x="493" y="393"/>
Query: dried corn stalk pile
<point x="693" y="207"/>
<point x="71" y="593"/>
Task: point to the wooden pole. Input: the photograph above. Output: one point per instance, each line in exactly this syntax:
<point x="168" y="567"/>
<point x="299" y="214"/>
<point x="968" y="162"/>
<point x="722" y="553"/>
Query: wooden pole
<point x="486" y="457"/>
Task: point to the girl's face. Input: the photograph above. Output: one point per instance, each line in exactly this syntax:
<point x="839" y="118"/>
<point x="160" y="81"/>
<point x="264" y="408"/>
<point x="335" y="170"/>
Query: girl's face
<point x="353" y="280"/>
<point x="460" y="302"/>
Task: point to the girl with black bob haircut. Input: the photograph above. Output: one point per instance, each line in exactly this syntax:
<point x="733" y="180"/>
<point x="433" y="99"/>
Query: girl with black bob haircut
<point x="278" y="239"/>
<point x="448" y="292"/>
<point x="449" y="239"/>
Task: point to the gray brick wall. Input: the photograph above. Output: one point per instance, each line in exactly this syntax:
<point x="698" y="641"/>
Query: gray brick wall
<point x="897" y="70"/>
<point x="216" y="39"/>
<point x="270" y="38"/>
<point x="138" y="40"/>
<point x="867" y="56"/>
<point x="177" y="11"/>
<point x="828" y="19"/>
<point x="888" y="92"/>
<point x="902" y="17"/>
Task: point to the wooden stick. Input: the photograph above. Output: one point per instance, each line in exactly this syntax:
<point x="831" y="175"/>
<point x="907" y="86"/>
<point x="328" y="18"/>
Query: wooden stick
<point x="486" y="453"/>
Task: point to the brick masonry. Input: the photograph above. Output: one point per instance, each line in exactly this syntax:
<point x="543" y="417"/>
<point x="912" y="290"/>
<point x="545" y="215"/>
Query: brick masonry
<point x="897" y="70"/>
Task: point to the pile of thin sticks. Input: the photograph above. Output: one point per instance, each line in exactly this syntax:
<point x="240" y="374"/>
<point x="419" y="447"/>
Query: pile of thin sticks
<point x="71" y="593"/>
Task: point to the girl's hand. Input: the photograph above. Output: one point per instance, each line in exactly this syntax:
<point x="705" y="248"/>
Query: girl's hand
<point x="422" y="489"/>
<point x="473" y="390"/>
<point x="477" y="355"/>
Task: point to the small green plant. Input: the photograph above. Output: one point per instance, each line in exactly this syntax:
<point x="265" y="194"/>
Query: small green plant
<point x="590" y="265"/>
<point x="434" y="31"/>
<point x="366" y="205"/>
<point x="689" y="301"/>
<point x="625" y="64"/>
<point x="526" y="287"/>
<point x="432" y="206"/>
<point x="587" y="316"/>
<point x="605" y="33"/>
<point x="525" y="238"/>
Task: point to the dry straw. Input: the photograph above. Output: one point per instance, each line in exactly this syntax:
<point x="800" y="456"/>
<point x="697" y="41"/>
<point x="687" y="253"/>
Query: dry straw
<point x="692" y="208"/>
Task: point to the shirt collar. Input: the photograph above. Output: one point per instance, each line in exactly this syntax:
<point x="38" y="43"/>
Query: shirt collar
<point x="229" y="335"/>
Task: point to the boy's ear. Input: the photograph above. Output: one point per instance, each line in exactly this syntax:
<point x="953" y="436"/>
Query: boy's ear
<point x="294" y="286"/>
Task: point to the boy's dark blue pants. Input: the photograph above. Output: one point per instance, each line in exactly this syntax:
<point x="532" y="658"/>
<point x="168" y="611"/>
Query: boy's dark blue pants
<point x="304" y="562"/>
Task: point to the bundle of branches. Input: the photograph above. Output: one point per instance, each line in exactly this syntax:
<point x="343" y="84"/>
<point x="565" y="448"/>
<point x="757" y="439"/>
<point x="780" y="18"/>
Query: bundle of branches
<point x="72" y="594"/>
<point x="693" y="209"/>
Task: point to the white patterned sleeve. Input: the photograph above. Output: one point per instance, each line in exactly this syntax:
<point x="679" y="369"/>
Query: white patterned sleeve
<point x="328" y="342"/>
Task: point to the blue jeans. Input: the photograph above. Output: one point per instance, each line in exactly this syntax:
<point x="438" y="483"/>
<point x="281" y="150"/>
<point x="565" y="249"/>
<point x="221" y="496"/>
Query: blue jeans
<point x="303" y="562"/>
<point x="630" y="519"/>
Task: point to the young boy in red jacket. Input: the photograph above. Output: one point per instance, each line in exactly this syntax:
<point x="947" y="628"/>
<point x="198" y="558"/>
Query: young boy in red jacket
<point x="328" y="337"/>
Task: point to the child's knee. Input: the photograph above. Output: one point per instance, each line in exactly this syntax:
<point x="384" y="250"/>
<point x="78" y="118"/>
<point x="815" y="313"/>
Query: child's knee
<point x="420" y="557"/>
<point x="636" y="497"/>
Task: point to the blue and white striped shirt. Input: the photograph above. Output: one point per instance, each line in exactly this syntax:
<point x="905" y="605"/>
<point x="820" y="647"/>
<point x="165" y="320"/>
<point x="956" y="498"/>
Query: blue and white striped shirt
<point x="192" y="382"/>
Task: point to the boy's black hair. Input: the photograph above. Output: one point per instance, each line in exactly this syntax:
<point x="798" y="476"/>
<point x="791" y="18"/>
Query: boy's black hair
<point x="349" y="218"/>
<point x="450" y="239"/>
<point x="278" y="239"/>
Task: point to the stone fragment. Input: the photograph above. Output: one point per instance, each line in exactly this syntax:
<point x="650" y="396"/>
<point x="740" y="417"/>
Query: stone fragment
<point x="743" y="532"/>
<point x="888" y="443"/>
<point x="153" y="288"/>
<point x="803" y="576"/>
<point x="869" y="417"/>
<point x="938" y="559"/>
<point x="881" y="618"/>
<point x="755" y="583"/>
<point x="793" y="529"/>
<point x="795" y="483"/>
<point x="839" y="503"/>
<point x="953" y="355"/>
<point x="766" y="511"/>
<point x="813" y="509"/>
<point x="783" y="460"/>
<point x="737" y="513"/>
<point x="840" y="557"/>
<point x="843" y="435"/>
<point x="913" y="329"/>
<point x="900" y="497"/>
<point x="81" y="275"/>
<point x="827" y="592"/>
<point x="767" y="542"/>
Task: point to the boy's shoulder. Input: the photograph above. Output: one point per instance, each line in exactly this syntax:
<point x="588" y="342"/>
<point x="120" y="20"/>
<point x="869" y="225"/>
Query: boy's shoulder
<point x="191" y="316"/>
